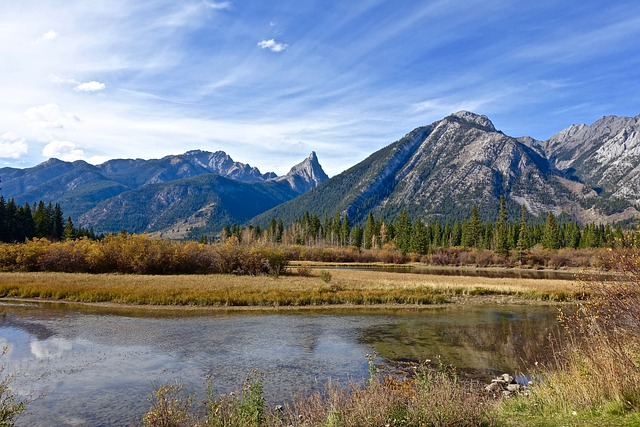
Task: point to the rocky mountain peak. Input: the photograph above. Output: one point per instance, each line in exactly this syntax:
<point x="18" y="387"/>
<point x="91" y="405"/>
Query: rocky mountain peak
<point x="474" y="119"/>
<point x="305" y="175"/>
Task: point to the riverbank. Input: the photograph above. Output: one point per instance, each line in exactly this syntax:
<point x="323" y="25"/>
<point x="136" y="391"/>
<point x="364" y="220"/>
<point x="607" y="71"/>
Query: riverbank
<point x="316" y="288"/>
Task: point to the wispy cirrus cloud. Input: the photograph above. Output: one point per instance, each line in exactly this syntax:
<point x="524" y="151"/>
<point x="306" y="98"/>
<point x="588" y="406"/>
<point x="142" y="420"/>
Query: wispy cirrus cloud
<point x="202" y="73"/>
<point x="272" y="45"/>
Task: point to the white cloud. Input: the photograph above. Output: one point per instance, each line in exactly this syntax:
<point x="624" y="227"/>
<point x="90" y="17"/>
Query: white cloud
<point x="48" y="36"/>
<point x="50" y="348"/>
<point x="63" y="150"/>
<point x="91" y="86"/>
<point x="272" y="45"/>
<point x="12" y="146"/>
<point x="49" y="117"/>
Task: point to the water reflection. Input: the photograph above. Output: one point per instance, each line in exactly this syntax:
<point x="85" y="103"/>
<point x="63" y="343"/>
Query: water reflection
<point x="479" y="341"/>
<point x="99" y="367"/>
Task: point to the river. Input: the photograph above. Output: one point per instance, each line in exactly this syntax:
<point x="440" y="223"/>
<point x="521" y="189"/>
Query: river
<point x="98" y="366"/>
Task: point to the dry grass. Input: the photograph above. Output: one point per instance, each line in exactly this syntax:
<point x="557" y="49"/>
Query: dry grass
<point x="433" y="397"/>
<point x="595" y="374"/>
<point x="344" y="287"/>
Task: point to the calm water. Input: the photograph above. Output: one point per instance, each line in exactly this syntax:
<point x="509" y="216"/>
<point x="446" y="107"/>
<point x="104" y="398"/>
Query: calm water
<point x="98" y="367"/>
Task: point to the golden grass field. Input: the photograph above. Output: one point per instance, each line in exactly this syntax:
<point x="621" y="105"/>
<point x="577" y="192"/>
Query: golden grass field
<point x="343" y="287"/>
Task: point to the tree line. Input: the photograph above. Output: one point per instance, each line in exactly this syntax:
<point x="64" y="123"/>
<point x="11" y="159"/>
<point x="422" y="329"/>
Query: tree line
<point x="417" y="236"/>
<point x="19" y="223"/>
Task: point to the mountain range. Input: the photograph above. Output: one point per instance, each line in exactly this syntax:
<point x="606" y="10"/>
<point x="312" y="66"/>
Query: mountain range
<point x="590" y="173"/>
<point x="179" y="195"/>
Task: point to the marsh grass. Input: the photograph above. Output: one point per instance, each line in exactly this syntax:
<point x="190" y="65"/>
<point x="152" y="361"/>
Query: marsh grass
<point x="433" y="396"/>
<point x="220" y="290"/>
<point x="595" y="373"/>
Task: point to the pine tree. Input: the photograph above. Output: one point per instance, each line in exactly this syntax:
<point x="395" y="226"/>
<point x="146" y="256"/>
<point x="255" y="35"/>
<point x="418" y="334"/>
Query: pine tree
<point x="69" y="232"/>
<point x="501" y="233"/>
<point x="57" y="226"/>
<point x="403" y="232"/>
<point x="279" y="231"/>
<point x="472" y="230"/>
<point x="523" y="242"/>
<point x="456" y="234"/>
<point x="356" y="236"/>
<point x="369" y="232"/>
<point x="551" y="233"/>
<point x="26" y="225"/>
<point x="3" y="220"/>
<point x="43" y="220"/>
<point x="11" y="221"/>
<point x="345" y="230"/>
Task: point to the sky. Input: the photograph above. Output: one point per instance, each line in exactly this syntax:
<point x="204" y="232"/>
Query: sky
<point x="270" y="81"/>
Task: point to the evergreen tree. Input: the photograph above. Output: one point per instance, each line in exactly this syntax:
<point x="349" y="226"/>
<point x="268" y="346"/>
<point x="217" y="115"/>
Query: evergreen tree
<point x="345" y="231"/>
<point x="419" y="238"/>
<point x="403" y="232"/>
<point x="57" y="226"/>
<point x="551" y="234"/>
<point x="279" y="231"/>
<point x="11" y="221"/>
<point x="69" y="232"/>
<point x="501" y="233"/>
<point x="43" y="220"/>
<point x="472" y="230"/>
<point x="26" y="226"/>
<point x="3" y="220"/>
<point x="523" y="241"/>
<point x="356" y="236"/>
<point x="456" y="234"/>
<point x="369" y="232"/>
<point x="445" y="242"/>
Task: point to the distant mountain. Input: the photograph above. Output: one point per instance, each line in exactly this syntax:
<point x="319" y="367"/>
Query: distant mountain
<point x="439" y="171"/>
<point x="187" y="207"/>
<point x="146" y="195"/>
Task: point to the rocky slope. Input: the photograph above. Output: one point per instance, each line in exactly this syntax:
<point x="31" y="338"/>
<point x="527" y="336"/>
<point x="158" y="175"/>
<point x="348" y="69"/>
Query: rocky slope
<point x="604" y="156"/>
<point x="439" y="171"/>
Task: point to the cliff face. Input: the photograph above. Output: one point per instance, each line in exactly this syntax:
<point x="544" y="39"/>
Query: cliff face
<point x="604" y="155"/>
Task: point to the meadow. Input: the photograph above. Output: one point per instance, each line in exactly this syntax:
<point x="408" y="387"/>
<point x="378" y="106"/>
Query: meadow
<point x="302" y="286"/>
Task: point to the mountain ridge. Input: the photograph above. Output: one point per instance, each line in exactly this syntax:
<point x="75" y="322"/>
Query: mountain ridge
<point x="87" y="191"/>
<point x="589" y="172"/>
<point x="452" y="164"/>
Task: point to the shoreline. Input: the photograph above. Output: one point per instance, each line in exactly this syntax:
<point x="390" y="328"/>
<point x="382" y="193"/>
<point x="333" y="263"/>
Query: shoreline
<point x="477" y="300"/>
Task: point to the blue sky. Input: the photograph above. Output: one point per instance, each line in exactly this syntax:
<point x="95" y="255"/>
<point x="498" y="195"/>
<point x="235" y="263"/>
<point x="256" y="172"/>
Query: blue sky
<point x="270" y="81"/>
